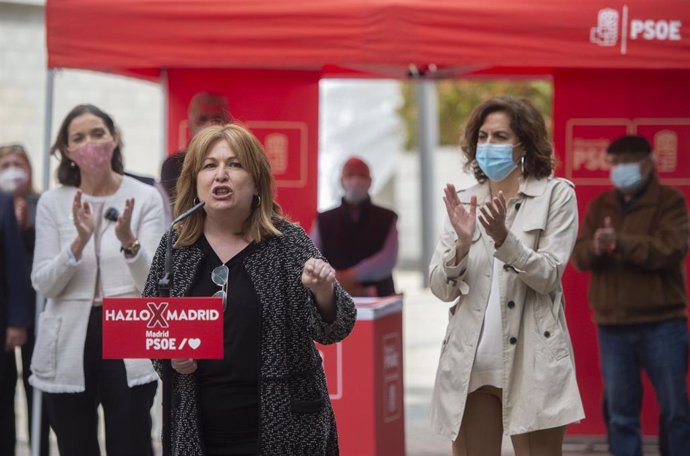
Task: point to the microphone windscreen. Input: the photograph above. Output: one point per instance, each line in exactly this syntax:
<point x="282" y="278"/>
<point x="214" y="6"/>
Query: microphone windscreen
<point x="111" y="214"/>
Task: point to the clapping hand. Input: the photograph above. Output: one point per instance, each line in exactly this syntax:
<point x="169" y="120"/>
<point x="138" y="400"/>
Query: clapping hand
<point x="493" y="218"/>
<point x="82" y="218"/>
<point x="123" y="228"/>
<point x="463" y="220"/>
<point x="21" y="209"/>
<point x="605" y="238"/>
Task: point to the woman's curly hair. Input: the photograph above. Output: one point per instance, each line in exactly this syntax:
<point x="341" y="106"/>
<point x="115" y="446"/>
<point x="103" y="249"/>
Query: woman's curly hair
<point x="526" y="122"/>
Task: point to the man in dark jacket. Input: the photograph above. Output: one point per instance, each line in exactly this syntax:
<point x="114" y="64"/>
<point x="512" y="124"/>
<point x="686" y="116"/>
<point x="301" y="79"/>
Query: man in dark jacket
<point x="358" y="238"/>
<point x="634" y="240"/>
<point x="14" y="316"/>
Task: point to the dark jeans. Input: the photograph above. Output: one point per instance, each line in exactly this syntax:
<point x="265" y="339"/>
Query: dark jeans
<point x="661" y="349"/>
<point x="74" y="417"/>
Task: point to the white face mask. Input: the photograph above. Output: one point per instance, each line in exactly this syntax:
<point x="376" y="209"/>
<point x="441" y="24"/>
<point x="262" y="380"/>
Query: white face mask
<point x="356" y="190"/>
<point x="626" y="176"/>
<point x="12" y="178"/>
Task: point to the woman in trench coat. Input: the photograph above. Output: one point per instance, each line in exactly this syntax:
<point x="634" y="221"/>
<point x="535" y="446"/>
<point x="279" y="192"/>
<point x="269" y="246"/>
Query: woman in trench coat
<point x="506" y="364"/>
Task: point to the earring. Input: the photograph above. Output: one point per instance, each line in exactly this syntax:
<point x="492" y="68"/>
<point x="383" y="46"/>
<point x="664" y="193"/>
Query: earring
<point x="72" y="164"/>
<point x="522" y="164"/>
<point x="195" y="201"/>
<point x="256" y="201"/>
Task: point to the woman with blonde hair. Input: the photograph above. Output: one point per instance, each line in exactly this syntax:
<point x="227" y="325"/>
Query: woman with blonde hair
<point x="268" y="394"/>
<point x="16" y="178"/>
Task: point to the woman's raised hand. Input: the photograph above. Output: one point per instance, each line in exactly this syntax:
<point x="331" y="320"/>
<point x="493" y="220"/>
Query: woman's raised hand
<point x="463" y="219"/>
<point x="83" y="222"/>
<point x="493" y="218"/>
<point x="318" y="276"/>
<point x="82" y="218"/>
<point x="123" y="226"/>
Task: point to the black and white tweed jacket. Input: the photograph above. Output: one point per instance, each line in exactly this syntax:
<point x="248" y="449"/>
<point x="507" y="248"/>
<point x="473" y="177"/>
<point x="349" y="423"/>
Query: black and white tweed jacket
<point x="295" y="414"/>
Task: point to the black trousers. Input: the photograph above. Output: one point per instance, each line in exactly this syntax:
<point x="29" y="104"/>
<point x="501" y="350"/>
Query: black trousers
<point x="74" y="418"/>
<point x="27" y="351"/>
<point x="8" y="382"/>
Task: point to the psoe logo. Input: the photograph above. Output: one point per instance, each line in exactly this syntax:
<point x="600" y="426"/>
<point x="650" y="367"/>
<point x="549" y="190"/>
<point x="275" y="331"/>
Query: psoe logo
<point x="606" y="31"/>
<point x="614" y="28"/>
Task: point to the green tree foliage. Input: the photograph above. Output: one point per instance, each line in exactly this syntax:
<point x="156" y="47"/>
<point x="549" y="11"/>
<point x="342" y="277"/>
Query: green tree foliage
<point x="457" y="98"/>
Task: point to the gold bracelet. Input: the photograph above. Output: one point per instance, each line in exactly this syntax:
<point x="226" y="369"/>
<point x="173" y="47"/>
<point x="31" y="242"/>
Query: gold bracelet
<point x="132" y="250"/>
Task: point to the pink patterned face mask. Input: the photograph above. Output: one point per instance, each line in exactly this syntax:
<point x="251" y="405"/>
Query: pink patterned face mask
<point x="93" y="157"/>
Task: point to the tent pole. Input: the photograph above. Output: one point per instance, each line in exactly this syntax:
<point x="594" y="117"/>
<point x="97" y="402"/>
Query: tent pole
<point x="48" y="123"/>
<point x="427" y="128"/>
<point x="164" y="116"/>
<point x="37" y="405"/>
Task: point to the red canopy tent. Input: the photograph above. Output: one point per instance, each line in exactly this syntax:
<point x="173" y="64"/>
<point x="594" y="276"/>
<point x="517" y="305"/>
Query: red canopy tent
<point x="374" y="36"/>
<point x="618" y="66"/>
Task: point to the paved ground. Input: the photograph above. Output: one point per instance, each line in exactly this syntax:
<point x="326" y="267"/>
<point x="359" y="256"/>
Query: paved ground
<point x="424" y="324"/>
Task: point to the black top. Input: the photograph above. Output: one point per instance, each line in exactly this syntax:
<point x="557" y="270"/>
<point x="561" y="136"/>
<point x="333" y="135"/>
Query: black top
<point x="291" y="371"/>
<point x="228" y="387"/>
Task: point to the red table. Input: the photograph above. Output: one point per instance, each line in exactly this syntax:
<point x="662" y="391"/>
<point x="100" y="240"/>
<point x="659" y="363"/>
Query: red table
<point x="365" y="380"/>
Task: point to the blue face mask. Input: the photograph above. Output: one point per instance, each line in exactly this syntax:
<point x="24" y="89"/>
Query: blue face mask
<point x="626" y="175"/>
<point x="496" y="160"/>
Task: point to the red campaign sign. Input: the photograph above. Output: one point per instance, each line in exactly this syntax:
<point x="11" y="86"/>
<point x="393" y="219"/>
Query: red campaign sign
<point x="586" y="162"/>
<point x="392" y="394"/>
<point x="586" y="142"/>
<point x="670" y="140"/>
<point x="163" y="328"/>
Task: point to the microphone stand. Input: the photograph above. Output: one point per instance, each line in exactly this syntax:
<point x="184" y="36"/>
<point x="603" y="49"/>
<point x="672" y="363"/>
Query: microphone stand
<point x="164" y="282"/>
<point x="164" y="292"/>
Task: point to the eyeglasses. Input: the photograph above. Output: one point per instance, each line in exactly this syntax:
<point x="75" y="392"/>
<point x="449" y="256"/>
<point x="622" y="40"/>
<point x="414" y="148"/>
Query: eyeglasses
<point x="220" y="277"/>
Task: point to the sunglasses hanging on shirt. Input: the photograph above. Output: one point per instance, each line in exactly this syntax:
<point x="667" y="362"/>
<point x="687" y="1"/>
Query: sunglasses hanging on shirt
<point x="219" y="276"/>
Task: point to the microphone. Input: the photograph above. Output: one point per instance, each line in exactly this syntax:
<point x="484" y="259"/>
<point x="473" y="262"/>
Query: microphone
<point x="164" y="291"/>
<point x="164" y="283"/>
<point x="111" y="214"/>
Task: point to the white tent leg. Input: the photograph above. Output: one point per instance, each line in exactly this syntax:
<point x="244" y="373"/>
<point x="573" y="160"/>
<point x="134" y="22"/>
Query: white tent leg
<point x="36" y="407"/>
<point x="427" y="128"/>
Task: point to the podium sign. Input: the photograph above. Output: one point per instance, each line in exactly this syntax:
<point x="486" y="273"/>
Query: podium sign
<point x="365" y="380"/>
<point x="163" y="328"/>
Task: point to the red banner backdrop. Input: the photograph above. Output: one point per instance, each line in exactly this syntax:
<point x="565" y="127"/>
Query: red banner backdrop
<point x="280" y="108"/>
<point x="591" y="109"/>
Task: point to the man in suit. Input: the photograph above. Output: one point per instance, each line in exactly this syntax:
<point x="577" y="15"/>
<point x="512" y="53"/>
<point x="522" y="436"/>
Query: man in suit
<point x="14" y="316"/>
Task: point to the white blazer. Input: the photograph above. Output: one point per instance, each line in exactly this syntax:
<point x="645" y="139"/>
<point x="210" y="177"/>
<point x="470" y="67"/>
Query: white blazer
<point x="57" y="363"/>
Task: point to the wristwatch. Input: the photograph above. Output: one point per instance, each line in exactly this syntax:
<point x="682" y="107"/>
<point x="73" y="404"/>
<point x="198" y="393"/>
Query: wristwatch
<point x="132" y="250"/>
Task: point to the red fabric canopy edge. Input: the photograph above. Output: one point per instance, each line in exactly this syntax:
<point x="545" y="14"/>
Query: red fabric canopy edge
<point x="369" y="36"/>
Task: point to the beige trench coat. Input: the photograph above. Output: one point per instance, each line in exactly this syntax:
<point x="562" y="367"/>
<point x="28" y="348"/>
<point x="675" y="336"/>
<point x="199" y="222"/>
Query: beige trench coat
<point x="539" y="385"/>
